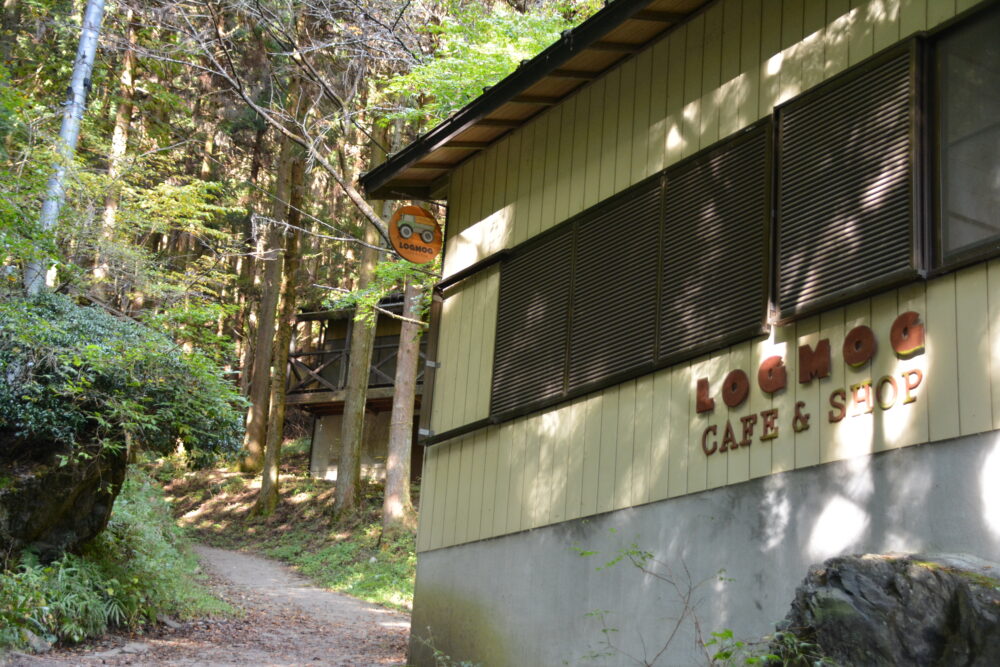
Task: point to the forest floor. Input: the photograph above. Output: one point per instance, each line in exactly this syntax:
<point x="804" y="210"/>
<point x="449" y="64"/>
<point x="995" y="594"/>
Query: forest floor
<point x="280" y="572"/>
<point x="285" y="621"/>
<point x="352" y="556"/>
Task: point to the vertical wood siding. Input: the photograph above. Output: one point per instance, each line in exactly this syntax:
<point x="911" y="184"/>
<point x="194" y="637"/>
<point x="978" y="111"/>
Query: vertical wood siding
<point x="641" y="441"/>
<point x="722" y="71"/>
<point x="465" y="352"/>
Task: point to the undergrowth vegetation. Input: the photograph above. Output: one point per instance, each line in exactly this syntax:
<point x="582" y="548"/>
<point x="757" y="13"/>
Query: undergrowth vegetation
<point x="351" y="557"/>
<point x="136" y="569"/>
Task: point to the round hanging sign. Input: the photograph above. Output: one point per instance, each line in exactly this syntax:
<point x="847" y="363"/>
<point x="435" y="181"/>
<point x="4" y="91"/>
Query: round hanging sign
<point x="415" y="234"/>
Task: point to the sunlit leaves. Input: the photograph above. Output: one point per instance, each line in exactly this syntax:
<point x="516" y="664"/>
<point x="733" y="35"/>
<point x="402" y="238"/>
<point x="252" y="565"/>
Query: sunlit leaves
<point x="389" y="278"/>
<point x="477" y="45"/>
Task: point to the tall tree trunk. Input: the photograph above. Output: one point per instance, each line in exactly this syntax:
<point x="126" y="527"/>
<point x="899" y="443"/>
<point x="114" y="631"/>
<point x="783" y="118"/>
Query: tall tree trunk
<point x="260" y="378"/>
<point x="205" y="170"/>
<point x="356" y="392"/>
<point x="119" y="145"/>
<point x="267" y="500"/>
<point x="397" y="508"/>
<point x="9" y="26"/>
<point x="55" y="195"/>
<point x="245" y="268"/>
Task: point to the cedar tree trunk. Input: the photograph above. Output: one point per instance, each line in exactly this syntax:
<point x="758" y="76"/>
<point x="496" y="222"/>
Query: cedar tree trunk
<point x="267" y="500"/>
<point x="356" y="392"/>
<point x="260" y="378"/>
<point x="397" y="508"/>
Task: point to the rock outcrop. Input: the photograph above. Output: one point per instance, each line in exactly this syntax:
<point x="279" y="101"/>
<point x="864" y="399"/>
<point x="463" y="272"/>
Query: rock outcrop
<point x="51" y="504"/>
<point x="900" y="610"/>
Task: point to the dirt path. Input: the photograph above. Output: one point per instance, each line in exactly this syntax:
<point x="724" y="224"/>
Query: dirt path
<point x="287" y="622"/>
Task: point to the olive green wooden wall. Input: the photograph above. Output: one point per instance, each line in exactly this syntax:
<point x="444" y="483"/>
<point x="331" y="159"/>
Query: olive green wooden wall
<point x="641" y="441"/>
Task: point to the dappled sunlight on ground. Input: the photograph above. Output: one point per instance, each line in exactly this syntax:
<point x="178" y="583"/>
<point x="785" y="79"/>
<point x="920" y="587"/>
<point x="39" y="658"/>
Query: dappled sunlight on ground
<point x="211" y="502"/>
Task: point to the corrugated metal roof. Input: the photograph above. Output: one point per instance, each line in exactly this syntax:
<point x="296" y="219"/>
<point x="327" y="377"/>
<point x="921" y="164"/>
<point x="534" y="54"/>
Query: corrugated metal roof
<point x="619" y="31"/>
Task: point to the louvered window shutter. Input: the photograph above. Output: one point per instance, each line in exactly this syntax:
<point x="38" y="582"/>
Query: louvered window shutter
<point x="532" y="324"/>
<point x="613" y="320"/>
<point x="715" y="247"/>
<point x="846" y="210"/>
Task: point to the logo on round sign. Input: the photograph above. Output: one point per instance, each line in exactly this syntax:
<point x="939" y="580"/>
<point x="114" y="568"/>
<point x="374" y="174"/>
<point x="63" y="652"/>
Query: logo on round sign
<point x="414" y="234"/>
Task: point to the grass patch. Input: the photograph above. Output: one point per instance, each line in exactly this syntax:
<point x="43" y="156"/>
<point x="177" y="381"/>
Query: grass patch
<point x="351" y="557"/>
<point x="137" y="568"/>
<point x="358" y="565"/>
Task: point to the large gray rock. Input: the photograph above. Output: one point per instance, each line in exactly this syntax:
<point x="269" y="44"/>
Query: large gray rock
<point x="900" y="610"/>
<point x="50" y="506"/>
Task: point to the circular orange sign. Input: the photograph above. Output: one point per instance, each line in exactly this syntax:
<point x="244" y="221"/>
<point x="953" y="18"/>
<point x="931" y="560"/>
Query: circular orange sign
<point x="415" y="234"/>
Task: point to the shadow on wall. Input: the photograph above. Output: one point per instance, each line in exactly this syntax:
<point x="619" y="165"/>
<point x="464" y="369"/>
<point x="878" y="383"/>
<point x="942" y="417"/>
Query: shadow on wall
<point x="484" y="226"/>
<point x="478" y="642"/>
<point x="528" y="597"/>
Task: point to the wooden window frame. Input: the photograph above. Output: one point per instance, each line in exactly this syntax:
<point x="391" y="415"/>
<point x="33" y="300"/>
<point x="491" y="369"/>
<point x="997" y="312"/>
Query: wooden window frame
<point x="974" y="253"/>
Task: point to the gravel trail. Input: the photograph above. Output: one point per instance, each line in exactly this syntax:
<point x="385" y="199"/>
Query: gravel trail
<point x="288" y="621"/>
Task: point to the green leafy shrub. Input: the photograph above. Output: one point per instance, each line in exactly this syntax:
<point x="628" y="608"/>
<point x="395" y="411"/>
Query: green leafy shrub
<point x="78" y="375"/>
<point x="137" y="568"/>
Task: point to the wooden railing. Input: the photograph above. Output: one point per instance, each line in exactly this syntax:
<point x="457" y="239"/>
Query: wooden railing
<point x="326" y="370"/>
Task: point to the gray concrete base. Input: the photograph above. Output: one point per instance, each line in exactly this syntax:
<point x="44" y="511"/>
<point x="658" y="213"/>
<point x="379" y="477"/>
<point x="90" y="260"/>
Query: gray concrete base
<point x="326" y="445"/>
<point x="537" y="599"/>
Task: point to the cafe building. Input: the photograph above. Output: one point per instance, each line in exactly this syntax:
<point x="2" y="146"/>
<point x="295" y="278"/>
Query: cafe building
<point x="721" y="285"/>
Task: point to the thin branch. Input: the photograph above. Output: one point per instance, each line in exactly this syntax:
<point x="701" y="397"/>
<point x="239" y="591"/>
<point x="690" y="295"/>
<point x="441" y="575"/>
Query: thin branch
<point x="375" y="307"/>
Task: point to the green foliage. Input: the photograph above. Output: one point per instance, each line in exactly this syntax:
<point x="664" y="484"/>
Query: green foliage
<point x="22" y="177"/>
<point x="389" y="277"/>
<point x="79" y="375"/>
<point x="728" y="648"/>
<point x="787" y="648"/>
<point x="442" y="659"/>
<point x="137" y="568"/>
<point x="195" y="322"/>
<point x="477" y="46"/>
<point x="365" y="566"/>
<point x="191" y="206"/>
<point x="781" y="648"/>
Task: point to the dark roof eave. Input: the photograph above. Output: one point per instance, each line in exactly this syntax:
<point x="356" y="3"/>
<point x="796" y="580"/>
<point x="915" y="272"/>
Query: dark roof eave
<point x="568" y="46"/>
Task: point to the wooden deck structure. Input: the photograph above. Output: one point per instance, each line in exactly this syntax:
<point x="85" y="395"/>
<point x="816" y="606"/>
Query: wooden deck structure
<point x="317" y="383"/>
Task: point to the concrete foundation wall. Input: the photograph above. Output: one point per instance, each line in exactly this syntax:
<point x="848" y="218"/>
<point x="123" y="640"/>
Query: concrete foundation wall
<point x="326" y="445"/>
<point x="524" y="599"/>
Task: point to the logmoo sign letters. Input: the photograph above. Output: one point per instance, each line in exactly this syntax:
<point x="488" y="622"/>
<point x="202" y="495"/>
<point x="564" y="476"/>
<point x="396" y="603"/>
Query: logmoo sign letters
<point x="906" y="337"/>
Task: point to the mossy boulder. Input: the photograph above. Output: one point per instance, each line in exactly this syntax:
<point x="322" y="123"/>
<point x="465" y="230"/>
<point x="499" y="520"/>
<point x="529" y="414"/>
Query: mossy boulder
<point x="79" y="389"/>
<point x="899" y="610"/>
<point x="58" y="499"/>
